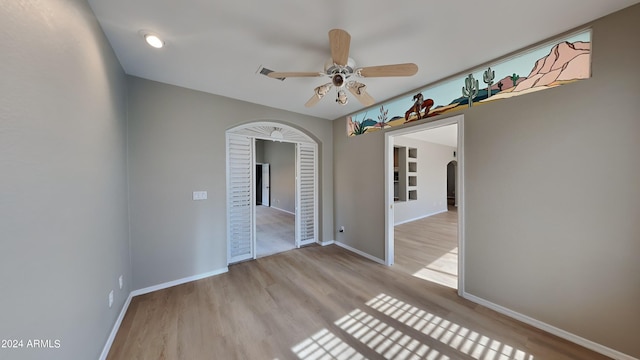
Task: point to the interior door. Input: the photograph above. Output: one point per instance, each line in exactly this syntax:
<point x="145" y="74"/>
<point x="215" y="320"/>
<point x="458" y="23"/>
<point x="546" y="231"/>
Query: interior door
<point x="306" y="195"/>
<point x="266" y="184"/>
<point x="240" y="197"/>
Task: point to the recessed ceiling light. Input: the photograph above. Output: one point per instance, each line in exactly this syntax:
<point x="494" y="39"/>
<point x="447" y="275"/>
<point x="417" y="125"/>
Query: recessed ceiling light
<point x="152" y="39"/>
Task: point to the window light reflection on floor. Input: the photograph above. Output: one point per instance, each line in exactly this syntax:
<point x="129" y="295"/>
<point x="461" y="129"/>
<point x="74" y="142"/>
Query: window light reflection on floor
<point x="441" y="271"/>
<point x="446" y="339"/>
<point x="325" y="345"/>
<point x="384" y="339"/>
<point x="457" y="337"/>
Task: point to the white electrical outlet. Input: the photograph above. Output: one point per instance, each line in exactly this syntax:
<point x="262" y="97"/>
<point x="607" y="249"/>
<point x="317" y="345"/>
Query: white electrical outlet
<point x="111" y="298"/>
<point x="120" y="282"/>
<point x="341" y="229"/>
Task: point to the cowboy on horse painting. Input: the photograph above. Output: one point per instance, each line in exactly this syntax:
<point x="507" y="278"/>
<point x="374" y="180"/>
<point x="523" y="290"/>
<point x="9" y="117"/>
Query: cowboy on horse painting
<point x="419" y="105"/>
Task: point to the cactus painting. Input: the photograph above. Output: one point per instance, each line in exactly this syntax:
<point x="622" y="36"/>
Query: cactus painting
<point x="556" y="63"/>
<point x="514" y="78"/>
<point x="470" y="89"/>
<point x="488" y="77"/>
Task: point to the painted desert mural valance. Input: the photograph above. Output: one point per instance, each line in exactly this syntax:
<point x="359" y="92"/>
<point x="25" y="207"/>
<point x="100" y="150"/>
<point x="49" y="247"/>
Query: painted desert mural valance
<point x="557" y="63"/>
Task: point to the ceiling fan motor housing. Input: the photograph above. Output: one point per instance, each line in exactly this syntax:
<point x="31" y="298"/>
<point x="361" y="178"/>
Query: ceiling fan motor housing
<point x="338" y="73"/>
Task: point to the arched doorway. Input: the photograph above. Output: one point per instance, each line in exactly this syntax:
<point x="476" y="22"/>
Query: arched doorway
<point x="240" y="170"/>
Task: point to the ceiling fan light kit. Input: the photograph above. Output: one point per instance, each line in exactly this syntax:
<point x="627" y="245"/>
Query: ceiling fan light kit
<point x="342" y="98"/>
<point x="341" y="69"/>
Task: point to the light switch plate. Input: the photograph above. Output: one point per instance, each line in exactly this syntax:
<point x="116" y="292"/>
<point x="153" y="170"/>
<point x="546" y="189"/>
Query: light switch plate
<point x="199" y="195"/>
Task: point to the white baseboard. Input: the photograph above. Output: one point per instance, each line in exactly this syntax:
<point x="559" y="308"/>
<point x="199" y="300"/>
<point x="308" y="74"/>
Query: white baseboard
<point x="614" y="354"/>
<point x="178" y="282"/>
<point x="116" y="326"/>
<point x="325" y="243"/>
<point x="361" y="253"/>
<point x="283" y="210"/>
<point x="420" y="217"/>
<point x="114" y="330"/>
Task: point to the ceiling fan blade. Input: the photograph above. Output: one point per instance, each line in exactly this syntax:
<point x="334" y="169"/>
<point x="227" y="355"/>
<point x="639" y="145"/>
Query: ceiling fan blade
<point x="280" y="75"/>
<point x="407" y="69"/>
<point x="359" y="90"/>
<point x="319" y="93"/>
<point x="340" y="41"/>
<point x="312" y="102"/>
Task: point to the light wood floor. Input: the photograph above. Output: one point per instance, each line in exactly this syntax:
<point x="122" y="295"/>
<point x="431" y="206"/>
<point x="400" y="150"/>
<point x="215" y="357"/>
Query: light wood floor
<point x="275" y="231"/>
<point x="428" y="248"/>
<point x="323" y="303"/>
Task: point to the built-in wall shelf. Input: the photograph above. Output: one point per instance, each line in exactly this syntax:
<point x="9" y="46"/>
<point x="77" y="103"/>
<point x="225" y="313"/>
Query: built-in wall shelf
<point x="405" y="174"/>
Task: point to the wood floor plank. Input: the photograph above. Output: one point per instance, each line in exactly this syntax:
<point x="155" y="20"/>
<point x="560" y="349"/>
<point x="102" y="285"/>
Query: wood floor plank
<point x="323" y="303"/>
<point x="428" y="248"/>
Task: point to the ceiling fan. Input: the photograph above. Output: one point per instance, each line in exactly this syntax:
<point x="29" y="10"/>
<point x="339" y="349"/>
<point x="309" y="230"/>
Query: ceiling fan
<point x="341" y="69"/>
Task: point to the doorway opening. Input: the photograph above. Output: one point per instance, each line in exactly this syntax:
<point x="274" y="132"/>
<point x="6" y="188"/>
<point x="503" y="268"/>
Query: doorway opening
<point x="275" y="196"/>
<point x="452" y="170"/>
<point x="241" y="186"/>
<point x="424" y="202"/>
<point x="263" y="194"/>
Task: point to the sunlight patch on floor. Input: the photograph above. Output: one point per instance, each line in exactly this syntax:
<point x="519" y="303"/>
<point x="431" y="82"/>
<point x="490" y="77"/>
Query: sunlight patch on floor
<point x="325" y="345"/>
<point x="444" y="339"/>
<point x="458" y="337"/>
<point x="384" y="339"/>
<point x="441" y="270"/>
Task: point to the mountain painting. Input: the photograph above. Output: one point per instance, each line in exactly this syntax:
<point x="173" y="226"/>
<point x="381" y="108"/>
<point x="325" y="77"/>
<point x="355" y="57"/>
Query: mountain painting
<point x="557" y="63"/>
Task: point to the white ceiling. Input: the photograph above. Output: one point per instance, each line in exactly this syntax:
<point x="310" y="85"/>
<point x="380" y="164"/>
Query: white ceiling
<point x="218" y="46"/>
<point x="443" y="135"/>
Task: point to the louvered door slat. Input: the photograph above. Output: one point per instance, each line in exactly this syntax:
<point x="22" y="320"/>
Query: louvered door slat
<point x="239" y="195"/>
<point x="306" y="201"/>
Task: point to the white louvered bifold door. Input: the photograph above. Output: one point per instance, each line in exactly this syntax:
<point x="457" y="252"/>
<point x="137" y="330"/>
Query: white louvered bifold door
<point x="307" y="199"/>
<point x="240" y="215"/>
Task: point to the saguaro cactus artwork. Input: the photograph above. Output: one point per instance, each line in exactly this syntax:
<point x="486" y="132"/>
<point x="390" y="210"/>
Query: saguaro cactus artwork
<point x="515" y="78"/>
<point x="567" y="58"/>
<point x="488" y="77"/>
<point x="470" y="89"/>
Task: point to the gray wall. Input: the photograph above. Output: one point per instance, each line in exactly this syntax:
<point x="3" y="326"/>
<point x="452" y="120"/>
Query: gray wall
<point x="432" y="180"/>
<point x="177" y="145"/>
<point x="259" y="151"/>
<point x="63" y="189"/>
<point x="282" y="159"/>
<point x="552" y="198"/>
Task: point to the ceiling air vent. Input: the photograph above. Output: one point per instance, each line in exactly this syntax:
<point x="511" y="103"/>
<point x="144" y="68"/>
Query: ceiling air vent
<point x="264" y="71"/>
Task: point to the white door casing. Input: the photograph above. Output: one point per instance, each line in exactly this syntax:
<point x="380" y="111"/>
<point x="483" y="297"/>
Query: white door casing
<point x="241" y="232"/>
<point x="389" y="201"/>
